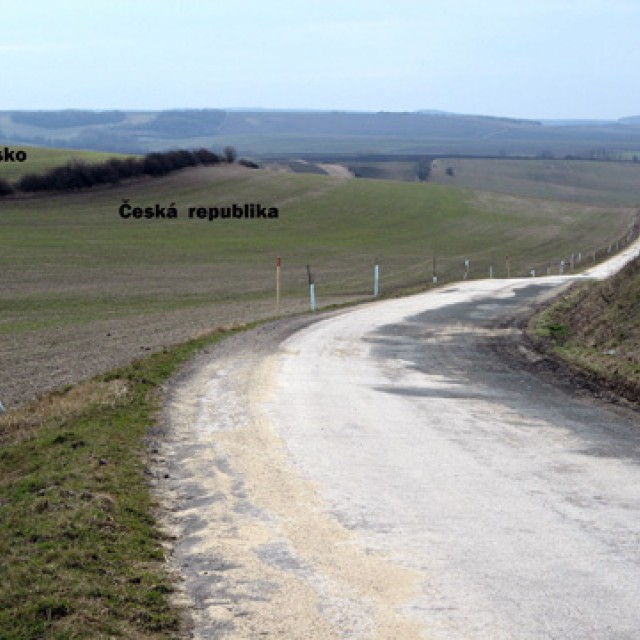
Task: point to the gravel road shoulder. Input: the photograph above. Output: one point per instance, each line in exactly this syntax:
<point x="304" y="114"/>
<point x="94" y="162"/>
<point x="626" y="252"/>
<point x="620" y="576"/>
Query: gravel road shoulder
<point x="258" y="553"/>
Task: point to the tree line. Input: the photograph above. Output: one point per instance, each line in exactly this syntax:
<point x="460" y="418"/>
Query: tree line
<point x="81" y="175"/>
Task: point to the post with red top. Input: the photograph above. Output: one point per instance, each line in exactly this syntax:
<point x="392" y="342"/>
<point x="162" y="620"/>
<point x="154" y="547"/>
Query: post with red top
<point x="278" y="287"/>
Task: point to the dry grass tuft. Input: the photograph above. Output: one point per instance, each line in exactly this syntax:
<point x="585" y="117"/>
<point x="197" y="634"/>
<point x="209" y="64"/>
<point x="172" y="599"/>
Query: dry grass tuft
<point x="61" y="406"/>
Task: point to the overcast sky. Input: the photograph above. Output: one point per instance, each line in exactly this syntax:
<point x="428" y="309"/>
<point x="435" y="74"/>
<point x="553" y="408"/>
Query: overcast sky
<point x="520" y="58"/>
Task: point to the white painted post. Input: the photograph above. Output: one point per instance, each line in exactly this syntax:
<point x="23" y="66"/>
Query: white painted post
<point x="434" y="279"/>
<point x="561" y="267"/>
<point x="278" y="287"/>
<point x="491" y="271"/>
<point x="376" y="278"/>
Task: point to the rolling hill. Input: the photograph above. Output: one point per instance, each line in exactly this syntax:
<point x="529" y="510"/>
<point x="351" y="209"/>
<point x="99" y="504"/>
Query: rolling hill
<point x="90" y="288"/>
<point x="264" y="132"/>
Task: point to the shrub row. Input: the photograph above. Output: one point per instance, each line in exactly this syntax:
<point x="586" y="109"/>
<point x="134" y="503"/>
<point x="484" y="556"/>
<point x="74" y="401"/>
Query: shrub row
<point x="80" y="175"/>
<point x="5" y="188"/>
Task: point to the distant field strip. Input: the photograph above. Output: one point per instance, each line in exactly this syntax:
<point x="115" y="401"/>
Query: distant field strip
<point x="84" y="289"/>
<point x="574" y="180"/>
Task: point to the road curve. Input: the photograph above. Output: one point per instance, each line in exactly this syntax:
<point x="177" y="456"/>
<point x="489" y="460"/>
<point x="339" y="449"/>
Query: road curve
<point x="518" y="504"/>
<point x="389" y="473"/>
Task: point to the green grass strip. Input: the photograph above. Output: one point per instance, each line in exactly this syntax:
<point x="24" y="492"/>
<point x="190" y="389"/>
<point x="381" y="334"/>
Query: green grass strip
<point x="82" y="556"/>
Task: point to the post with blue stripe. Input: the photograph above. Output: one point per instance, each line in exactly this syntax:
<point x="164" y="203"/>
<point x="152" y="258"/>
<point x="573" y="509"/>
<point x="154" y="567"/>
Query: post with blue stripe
<point x="312" y="289"/>
<point x="376" y="279"/>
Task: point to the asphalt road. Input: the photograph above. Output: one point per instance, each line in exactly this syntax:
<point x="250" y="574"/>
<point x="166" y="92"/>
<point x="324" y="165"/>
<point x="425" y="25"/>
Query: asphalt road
<point x="393" y="472"/>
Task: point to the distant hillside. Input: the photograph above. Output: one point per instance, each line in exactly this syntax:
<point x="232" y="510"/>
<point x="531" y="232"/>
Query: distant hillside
<point x="367" y="124"/>
<point x="574" y="180"/>
<point x="112" y="131"/>
<point x="264" y="132"/>
<point x="635" y="120"/>
<point x="287" y="133"/>
<point x="69" y="118"/>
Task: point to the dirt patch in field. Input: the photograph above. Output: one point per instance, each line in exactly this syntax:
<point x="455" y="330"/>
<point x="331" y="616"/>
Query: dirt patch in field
<point x="336" y="170"/>
<point x="37" y="362"/>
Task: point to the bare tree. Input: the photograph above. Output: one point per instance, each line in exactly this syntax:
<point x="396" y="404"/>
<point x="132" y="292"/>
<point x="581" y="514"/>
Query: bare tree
<point x="230" y="154"/>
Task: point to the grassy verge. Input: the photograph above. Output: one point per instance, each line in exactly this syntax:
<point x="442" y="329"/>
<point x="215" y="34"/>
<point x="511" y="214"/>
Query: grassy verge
<point x="594" y="328"/>
<point x="81" y="555"/>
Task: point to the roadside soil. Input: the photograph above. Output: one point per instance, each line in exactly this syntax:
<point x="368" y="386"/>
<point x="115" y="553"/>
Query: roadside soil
<point x="536" y="355"/>
<point x="37" y="362"/>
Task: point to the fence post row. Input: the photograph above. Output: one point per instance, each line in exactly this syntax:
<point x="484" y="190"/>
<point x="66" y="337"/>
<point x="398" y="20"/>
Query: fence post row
<point x="573" y="260"/>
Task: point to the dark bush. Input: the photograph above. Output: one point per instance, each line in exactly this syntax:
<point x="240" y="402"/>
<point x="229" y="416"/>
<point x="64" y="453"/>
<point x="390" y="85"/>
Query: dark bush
<point x="155" y="164"/>
<point x="31" y="182"/>
<point x="103" y="173"/>
<point x="127" y="168"/>
<point x="80" y="175"/>
<point x="204" y="156"/>
<point x="248" y="163"/>
<point x="180" y="159"/>
<point x="5" y="188"/>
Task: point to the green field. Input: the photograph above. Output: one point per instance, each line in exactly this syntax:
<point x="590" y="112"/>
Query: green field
<point x="84" y="290"/>
<point x="587" y="181"/>
<point x="74" y="257"/>
<point x="74" y="252"/>
<point x="573" y="180"/>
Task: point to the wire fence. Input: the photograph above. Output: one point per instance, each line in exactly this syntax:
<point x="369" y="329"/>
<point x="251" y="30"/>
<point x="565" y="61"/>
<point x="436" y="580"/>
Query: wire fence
<point x="435" y="270"/>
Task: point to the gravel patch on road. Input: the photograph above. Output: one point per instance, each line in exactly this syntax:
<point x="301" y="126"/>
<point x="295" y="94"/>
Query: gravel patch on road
<point x="258" y="552"/>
